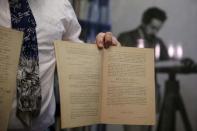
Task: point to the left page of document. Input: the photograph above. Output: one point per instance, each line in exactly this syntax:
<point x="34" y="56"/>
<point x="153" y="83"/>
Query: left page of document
<point x="10" y="45"/>
<point x="79" y="72"/>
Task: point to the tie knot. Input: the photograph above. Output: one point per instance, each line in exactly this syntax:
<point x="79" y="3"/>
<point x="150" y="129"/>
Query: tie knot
<point x="16" y="2"/>
<point x="21" y="14"/>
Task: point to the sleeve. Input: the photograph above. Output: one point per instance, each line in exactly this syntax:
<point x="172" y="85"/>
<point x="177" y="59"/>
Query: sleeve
<point x="164" y="51"/>
<point x="127" y="39"/>
<point x="121" y="39"/>
<point x="124" y="39"/>
<point x="71" y="24"/>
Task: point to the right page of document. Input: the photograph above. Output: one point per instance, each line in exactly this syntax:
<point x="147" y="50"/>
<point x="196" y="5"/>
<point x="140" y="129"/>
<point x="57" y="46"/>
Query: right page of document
<point x="128" y="93"/>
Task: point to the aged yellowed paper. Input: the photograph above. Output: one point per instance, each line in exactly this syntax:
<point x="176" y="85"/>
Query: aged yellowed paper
<point x="10" y="45"/>
<point x="79" y="71"/>
<point x="128" y="86"/>
<point x="114" y="86"/>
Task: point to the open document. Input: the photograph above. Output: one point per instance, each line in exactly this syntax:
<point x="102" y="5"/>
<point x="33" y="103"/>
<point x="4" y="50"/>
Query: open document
<point x="113" y="86"/>
<point x="10" y="44"/>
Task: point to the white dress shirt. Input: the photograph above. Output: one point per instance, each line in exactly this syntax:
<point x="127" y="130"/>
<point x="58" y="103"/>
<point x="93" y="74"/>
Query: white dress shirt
<point x="55" y="20"/>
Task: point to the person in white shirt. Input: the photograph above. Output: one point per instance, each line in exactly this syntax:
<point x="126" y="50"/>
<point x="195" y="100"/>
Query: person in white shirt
<point x="55" y="20"/>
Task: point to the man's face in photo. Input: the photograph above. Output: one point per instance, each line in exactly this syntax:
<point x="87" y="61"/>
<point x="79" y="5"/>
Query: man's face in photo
<point x="153" y="27"/>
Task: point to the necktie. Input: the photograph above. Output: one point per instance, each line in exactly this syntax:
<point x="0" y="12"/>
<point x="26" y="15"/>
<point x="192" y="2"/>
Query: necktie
<point x="28" y="83"/>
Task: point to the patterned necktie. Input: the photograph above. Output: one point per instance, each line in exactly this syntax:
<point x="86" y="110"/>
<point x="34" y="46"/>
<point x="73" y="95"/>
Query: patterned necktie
<point x="28" y="83"/>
